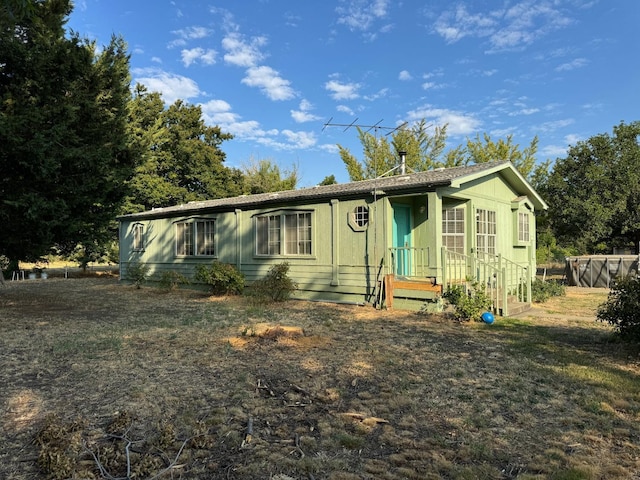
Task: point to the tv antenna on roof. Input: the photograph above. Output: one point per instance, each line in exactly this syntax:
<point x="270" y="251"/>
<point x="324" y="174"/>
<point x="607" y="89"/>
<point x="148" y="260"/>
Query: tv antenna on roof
<point x="375" y="127"/>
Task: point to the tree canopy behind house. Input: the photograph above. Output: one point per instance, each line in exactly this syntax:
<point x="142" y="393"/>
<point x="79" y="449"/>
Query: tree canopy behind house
<point x="425" y="151"/>
<point x="64" y="152"/>
<point x="263" y="176"/>
<point x="594" y="193"/>
<point x="484" y="149"/>
<point x="181" y="156"/>
<point x="380" y="154"/>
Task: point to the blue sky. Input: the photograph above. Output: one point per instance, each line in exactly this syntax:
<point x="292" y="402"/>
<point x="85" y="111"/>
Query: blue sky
<point x="273" y="72"/>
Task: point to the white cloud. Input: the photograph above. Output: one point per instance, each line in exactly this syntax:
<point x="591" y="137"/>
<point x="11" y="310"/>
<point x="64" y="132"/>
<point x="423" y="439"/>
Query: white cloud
<point x="269" y="82"/>
<point x="572" y="139"/>
<point x="361" y="14"/>
<point x="431" y="84"/>
<point x="218" y="112"/>
<point x="572" y="65"/>
<point x="329" y="148"/>
<point x="303" y="114"/>
<point x="404" y="75"/>
<point x="178" y="42"/>
<point x="551" y="151"/>
<point x="555" y="125"/>
<point x="524" y="111"/>
<point x="454" y="25"/>
<point x="246" y="53"/>
<point x="342" y="91"/>
<point x="156" y="59"/>
<point x="300" y="139"/>
<point x="502" y="132"/>
<point x="510" y="28"/>
<point x="172" y="86"/>
<point x="345" y="109"/>
<point x="189" y="33"/>
<point x="379" y="94"/>
<point x="206" y="57"/>
<point x="458" y="123"/>
<point x="243" y="53"/>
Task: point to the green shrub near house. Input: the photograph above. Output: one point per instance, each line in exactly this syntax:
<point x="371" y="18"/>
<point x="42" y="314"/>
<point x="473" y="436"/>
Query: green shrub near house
<point x="223" y="278"/>
<point x="137" y="272"/>
<point x="541" y="290"/>
<point x="469" y="301"/>
<point x="622" y="307"/>
<point x="170" y="280"/>
<point x="276" y="286"/>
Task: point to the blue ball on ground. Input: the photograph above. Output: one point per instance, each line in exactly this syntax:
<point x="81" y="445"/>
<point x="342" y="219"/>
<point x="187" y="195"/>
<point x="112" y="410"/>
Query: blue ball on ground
<point x="487" y="317"/>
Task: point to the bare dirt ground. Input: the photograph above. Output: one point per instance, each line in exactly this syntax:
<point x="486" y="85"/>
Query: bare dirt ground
<point x="102" y="380"/>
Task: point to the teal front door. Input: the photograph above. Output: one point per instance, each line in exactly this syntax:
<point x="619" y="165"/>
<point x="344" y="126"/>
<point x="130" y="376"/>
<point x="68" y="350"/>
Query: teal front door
<point x="402" y="239"/>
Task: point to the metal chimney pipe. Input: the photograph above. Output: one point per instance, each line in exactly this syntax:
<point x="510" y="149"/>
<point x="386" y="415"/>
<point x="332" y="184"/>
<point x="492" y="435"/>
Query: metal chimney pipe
<point x="403" y="162"/>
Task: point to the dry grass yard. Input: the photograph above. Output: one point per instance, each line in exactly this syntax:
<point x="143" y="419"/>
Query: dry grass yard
<point x="101" y="380"/>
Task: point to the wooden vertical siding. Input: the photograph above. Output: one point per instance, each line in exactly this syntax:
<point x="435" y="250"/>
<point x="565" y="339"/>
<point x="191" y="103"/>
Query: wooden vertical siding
<point x="346" y="264"/>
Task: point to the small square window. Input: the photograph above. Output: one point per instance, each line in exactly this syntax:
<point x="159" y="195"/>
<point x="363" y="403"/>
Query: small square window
<point x="361" y="214"/>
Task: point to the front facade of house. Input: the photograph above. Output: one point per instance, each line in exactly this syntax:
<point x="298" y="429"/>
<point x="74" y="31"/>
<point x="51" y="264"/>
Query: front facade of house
<point x="342" y="241"/>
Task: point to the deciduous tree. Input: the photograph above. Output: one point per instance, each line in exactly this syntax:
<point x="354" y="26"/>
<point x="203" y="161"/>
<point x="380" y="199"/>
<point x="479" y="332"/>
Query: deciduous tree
<point x="594" y="193"/>
<point x="262" y="176"/>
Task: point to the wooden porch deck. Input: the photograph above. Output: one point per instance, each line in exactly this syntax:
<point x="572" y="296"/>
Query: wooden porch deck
<point x="391" y="283"/>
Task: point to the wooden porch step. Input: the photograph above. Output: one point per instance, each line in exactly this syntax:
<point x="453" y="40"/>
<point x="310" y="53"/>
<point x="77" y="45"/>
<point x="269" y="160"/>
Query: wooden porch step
<point x="391" y="283"/>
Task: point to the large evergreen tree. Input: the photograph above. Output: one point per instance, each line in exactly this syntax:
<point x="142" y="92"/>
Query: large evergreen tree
<point x="181" y="156"/>
<point x="64" y="147"/>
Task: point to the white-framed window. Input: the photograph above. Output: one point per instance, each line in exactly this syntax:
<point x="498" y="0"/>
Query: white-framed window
<point x="453" y="229"/>
<point x="358" y="218"/>
<point x="195" y="237"/>
<point x="486" y="231"/>
<point x="286" y="233"/>
<point x="361" y="215"/>
<point x="523" y="227"/>
<point x="138" y="237"/>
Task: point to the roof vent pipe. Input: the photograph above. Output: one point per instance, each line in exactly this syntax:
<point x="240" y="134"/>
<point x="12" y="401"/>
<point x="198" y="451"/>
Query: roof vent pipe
<point x="403" y="162"/>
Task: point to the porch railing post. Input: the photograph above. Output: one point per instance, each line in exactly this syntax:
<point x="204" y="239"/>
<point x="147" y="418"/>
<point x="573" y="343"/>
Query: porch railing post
<point x="443" y="259"/>
<point x="505" y="307"/>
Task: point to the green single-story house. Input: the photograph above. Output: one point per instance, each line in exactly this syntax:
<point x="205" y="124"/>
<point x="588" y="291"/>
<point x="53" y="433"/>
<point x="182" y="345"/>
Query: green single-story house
<point x="392" y="241"/>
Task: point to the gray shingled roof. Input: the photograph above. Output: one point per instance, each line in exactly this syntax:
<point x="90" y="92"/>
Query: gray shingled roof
<point x="422" y="181"/>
